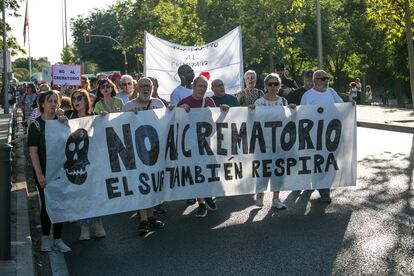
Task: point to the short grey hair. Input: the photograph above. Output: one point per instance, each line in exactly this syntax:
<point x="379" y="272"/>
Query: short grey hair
<point x="126" y="76"/>
<point x="250" y="72"/>
<point x="197" y="79"/>
<point x="145" y="78"/>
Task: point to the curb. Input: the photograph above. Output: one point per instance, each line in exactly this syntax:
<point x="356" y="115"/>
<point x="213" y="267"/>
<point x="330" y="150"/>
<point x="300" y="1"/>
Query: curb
<point x="385" y="126"/>
<point x="23" y="243"/>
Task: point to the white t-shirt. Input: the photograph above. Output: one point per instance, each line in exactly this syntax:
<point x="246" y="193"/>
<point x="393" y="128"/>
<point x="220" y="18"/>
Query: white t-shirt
<point x="263" y="102"/>
<point x="179" y="93"/>
<point x="315" y="97"/>
<point x="134" y="106"/>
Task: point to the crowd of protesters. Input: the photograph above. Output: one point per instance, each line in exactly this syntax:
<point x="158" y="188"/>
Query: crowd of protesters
<point x="116" y="93"/>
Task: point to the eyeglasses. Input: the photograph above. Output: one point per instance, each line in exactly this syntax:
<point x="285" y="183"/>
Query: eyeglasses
<point x="105" y="86"/>
<point x="273" y="84"/>
<point x="145" y="86"/>
<point x="77" y="98"/>
<point x="126" y="83"/>
<point x="323" y="78"/>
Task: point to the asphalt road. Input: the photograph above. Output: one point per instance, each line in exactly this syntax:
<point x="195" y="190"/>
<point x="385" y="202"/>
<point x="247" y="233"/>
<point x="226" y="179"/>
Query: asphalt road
<point x="367" y="230"/>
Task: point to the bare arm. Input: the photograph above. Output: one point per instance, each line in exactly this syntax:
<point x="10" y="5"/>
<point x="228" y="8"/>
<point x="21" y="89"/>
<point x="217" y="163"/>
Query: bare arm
<point x="34" y="156"/>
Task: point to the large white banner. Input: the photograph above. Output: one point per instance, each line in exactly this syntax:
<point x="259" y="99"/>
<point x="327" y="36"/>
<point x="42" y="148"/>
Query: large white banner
<point x="125" y="161"/>
<point x="222" y="58"/>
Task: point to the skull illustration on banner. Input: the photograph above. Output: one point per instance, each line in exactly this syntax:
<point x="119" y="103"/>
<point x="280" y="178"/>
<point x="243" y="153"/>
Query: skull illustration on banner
<point x="76" y="152"/>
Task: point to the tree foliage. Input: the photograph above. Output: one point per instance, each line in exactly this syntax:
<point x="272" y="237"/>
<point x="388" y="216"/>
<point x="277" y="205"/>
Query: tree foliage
<point x="37" y="64"/>
<point x="67" y="55"/>
<point x="101" y="51"/>
<point x="12" y="6"/>
<point x="361" y="38"/>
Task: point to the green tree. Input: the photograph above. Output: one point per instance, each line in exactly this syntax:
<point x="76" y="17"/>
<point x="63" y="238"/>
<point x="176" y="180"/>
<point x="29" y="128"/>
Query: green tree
<point x="174" y="20"/>
<point x="389" y="17"/>
<point x="268" y="30"/>
<point x="22" y="74"/>
<point x="12" y="6"/>
<point x="101" y="51"/>
<point x="37" y="64"/>
<point x="67" y="55"/>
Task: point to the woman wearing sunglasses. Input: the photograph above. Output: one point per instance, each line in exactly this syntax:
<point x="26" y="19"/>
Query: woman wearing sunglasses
<point x="272" y="85"/>
<point x="81" y="107"/>
<point x="106" y="102"/>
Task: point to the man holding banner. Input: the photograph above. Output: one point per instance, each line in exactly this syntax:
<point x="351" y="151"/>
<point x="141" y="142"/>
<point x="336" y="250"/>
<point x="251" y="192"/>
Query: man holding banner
<point x="321" y="93"/>
<point x="186" y="74"/>
<point x="198" y="100"/>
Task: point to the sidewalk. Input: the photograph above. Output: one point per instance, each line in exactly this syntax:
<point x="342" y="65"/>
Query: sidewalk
<point x="21" y="263"/>
<point x="386" y="118"/>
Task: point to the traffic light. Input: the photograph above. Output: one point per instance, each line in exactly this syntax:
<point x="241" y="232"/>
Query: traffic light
<point x="87" y="37"/>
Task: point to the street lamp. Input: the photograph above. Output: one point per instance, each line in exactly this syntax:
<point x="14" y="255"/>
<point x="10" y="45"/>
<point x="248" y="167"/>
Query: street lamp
<point x="5" y="77"/>
<point x="87" y="39"/>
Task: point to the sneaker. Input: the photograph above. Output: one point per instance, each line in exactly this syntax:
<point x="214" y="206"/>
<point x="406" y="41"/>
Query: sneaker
<point x="46" y="245"/>
<point x="59" y="245"/>
<point x="99" y="229"/>
<point x="211" y="203"/>
<point x="278" y="204"/>
<point x="201" y="211"/>
<point x="325" y="195"/>
<point x="85" y="233"/>
<point x="159" y="209"/>
<point x="326" y="199"/>
<point x="191" y="201"/>
<point x="143" y="228"/>
<point x="259" y="199"/>
<point x="155" y="223"/>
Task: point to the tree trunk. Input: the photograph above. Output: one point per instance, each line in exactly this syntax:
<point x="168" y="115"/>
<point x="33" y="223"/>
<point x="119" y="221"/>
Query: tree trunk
<point x="410" y="46"/>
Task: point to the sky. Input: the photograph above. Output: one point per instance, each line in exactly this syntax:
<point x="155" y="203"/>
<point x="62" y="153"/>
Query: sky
<point x="45" y="22"/>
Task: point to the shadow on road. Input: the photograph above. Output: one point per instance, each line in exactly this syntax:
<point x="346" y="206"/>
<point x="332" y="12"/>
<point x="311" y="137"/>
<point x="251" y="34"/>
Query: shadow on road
<point x="237" y="239"/>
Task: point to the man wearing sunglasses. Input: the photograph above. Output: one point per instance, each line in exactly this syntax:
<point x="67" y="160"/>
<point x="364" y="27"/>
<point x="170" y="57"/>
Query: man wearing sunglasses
<point x="296" y="96"/>
<point x="220" y="97"/>
<point x="321" y="94"/>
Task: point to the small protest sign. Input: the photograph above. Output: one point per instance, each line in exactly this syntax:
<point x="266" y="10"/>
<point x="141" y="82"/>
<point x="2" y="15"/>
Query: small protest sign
<point x="66" y="74"/>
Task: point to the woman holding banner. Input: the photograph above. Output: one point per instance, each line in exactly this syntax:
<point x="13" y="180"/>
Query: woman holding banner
<point x="144" y="101"/>
<point x="105" y="98"/>
<point x="249" y="94"/>
<point x="48" y="105"/>
<point x="272" y="84"/>
<point x="81" y="107"/>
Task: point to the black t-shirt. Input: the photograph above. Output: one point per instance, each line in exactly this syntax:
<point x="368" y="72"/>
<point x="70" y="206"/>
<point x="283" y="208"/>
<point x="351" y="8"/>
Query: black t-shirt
<point x="295" y="96"/>
<point x="71" y="114"/>
<point x="286" y="82"/>
<point x="36" y="138"/>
